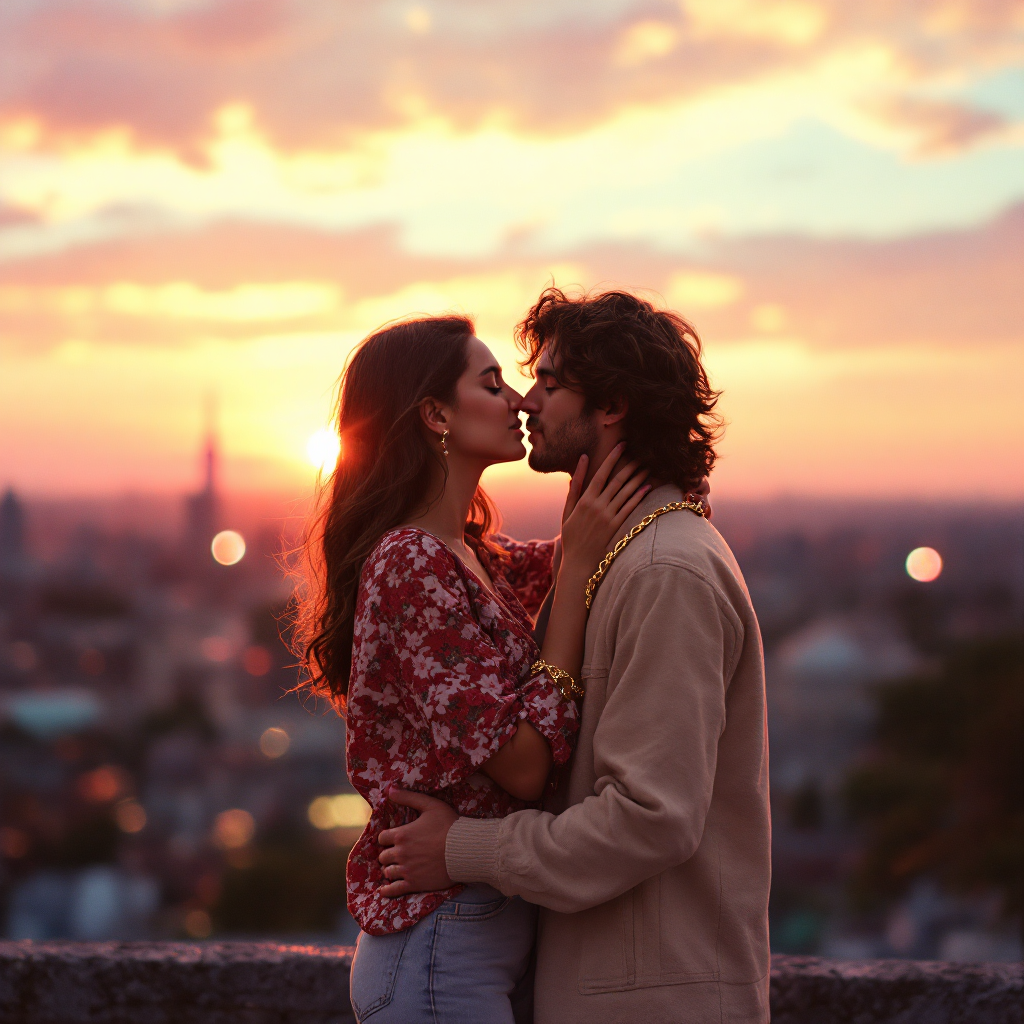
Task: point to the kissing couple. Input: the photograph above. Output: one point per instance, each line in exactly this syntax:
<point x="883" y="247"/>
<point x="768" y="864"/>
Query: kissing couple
<point x="563" y="743"/>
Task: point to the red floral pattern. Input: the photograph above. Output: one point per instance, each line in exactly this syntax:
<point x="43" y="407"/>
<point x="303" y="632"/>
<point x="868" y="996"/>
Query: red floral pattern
<point x="527" y="569"/>
<point x="440" y="679"/>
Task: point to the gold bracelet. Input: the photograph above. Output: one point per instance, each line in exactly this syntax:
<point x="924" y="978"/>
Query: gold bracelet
<point x="567" y="686"/>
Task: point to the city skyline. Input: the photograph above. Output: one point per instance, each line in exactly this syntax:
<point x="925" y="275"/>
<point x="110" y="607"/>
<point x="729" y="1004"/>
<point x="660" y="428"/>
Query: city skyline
<point x="206" y="196"/>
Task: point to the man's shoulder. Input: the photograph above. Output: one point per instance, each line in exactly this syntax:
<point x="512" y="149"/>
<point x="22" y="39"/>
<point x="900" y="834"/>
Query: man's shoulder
<point x="682" y="543"/>
<point x="678" y="537"/>
<point x="686" y="539"/>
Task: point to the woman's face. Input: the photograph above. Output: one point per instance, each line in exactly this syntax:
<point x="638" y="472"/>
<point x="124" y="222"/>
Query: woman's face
<point x="485" y="424"/>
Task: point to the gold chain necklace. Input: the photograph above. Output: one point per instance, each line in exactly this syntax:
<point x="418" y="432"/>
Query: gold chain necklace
<point x="697" y="507"/>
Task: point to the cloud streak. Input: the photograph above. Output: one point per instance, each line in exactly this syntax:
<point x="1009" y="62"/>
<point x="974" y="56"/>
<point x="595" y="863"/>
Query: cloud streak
<point x="240" y="281"/>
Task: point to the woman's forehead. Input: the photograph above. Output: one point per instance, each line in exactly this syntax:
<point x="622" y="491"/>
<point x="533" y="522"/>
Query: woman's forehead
<point x="479" y="355"/>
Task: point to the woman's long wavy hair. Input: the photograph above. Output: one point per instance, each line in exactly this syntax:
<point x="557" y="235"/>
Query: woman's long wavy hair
<point x="388" y="459"/>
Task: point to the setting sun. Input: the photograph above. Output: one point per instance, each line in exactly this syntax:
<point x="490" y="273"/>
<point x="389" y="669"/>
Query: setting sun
<point x="323" y="449"/>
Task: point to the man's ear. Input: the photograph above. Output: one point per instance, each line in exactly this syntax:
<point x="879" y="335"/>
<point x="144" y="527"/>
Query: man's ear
<point x="434" y="415"/>
<point x="614" y="412"/>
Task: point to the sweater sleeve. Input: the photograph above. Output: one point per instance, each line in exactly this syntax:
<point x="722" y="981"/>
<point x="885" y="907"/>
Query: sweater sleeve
<point x="655" y="753"/>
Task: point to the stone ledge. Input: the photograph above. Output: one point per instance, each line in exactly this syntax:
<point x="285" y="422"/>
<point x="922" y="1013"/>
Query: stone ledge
<point x="809" y="990"/>
<point x="173" y="983"/>
<point x="271" y="983"/>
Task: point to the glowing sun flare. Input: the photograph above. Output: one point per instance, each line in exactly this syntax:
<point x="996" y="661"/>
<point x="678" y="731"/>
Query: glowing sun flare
<point x="323" y="449"/>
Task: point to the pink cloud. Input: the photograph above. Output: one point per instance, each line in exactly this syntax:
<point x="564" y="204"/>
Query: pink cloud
<point x="229" y="253"/>
<point x="939" y="128"/>
<point x="13" y="216"/>
<point x="314" y="72"/>
<point x="950" y="290"/>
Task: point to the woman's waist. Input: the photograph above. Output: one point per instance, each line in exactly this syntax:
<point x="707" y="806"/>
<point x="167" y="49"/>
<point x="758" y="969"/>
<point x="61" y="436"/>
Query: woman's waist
<point x="474" y="797"/>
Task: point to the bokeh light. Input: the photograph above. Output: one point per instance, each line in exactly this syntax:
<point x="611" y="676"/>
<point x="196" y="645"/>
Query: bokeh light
<point x="256" y="660"/>
<point x="217" y="649"/>
<point x="228" y="547"/>
<point x="233" y="829"/>
<point x="130" y="816"/>
<point x="346" y="810"/>
<point x="924" y="565"/>
<point x="275" y="742"/>
<point x="323" y="449"/>
<point x="103" y="784"/>
<point x="198" y="924"/>
<point x="14" y="844"/>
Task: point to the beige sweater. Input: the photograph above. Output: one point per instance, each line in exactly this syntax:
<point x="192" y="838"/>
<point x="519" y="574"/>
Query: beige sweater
<point x="652" y="862"/>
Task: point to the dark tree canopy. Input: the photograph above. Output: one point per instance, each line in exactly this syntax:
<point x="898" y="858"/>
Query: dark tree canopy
<point x="943" y="793"/>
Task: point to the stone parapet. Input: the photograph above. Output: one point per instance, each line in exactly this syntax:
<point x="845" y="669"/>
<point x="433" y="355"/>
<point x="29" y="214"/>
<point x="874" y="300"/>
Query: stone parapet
<point x="275" y="983"/>
<point x="173" y="983"/>
<point x="809" y="990"/>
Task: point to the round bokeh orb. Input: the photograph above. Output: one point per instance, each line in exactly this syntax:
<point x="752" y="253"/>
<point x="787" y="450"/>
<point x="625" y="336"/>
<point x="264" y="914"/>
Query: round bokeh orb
<point x="275" y="742"/>
<point x="924" y="565"/>
<point x="228" y="547"/>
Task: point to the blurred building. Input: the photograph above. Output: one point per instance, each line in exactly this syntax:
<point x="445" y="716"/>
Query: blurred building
<point x="158" y="777"/>
<point x="152" y="759"/>
<point x="12" y="535"/>
<point x="203" y="509"/>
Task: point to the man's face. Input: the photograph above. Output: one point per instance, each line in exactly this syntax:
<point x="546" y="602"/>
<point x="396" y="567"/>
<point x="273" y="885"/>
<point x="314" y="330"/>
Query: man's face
<point x="559" y="427"/>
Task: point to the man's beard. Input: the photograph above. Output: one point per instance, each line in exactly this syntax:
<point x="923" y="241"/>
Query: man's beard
<point x="562" y="449"/>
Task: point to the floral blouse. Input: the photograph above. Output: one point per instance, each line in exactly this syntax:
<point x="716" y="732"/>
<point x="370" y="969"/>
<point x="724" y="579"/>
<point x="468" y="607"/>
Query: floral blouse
<point x="440" y="680"/>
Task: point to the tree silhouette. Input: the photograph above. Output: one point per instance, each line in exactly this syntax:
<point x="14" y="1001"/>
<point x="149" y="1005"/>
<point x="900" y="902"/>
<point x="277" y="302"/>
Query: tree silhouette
<point x="943" y="792"/>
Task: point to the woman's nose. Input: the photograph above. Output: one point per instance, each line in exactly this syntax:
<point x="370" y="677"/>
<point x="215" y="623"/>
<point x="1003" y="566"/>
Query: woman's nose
<point x="515" y="400"/>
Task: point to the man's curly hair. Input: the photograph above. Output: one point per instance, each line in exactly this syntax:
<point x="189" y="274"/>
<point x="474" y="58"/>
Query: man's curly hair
<point x="613" y="346"/>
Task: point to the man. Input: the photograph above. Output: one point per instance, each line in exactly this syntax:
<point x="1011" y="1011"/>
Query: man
<point x="651" y="861"/>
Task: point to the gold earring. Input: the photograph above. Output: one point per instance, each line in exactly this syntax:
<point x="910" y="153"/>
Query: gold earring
<point x="444" y="447"/>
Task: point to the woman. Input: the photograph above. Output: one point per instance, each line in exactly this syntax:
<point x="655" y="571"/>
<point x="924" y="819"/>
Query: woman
<point x="414" y="623"/>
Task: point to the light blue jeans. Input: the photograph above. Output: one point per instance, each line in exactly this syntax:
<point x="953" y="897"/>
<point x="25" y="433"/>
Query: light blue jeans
<point x="469" y="962"/>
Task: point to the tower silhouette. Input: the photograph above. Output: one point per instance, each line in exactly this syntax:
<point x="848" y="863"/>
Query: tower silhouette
<point x="202" y="509"/>
<point x="12" y="534"/>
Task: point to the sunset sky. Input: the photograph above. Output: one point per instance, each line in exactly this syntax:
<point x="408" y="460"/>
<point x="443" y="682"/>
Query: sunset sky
<point x="221" y="197"/>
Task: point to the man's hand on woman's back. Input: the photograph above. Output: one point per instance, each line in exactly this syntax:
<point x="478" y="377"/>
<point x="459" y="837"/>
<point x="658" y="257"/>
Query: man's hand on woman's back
<point x="413" y="854"/>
